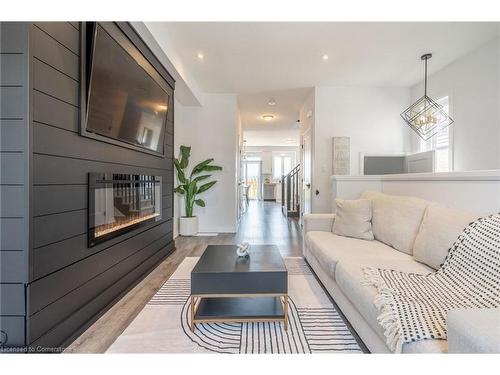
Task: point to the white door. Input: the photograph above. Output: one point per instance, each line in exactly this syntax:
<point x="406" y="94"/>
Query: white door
<point x="306" y="172"/>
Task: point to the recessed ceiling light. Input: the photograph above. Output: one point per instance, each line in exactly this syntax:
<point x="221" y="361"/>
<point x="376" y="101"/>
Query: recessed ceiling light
<point x="324" y="57"/>
<point x="200" y="56"/>
<point x="271" y="102"/>
<point x="268" y="117"/>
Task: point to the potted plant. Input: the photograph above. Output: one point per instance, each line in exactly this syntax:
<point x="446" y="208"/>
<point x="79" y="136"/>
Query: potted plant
<point x="188" y="225"/>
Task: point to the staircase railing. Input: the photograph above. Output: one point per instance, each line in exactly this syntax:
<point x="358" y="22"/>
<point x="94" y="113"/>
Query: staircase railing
<point x="290" y="195"/>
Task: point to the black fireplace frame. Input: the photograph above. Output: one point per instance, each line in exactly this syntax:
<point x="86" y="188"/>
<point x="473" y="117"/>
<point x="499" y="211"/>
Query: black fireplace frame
<point x="97" y="180"/>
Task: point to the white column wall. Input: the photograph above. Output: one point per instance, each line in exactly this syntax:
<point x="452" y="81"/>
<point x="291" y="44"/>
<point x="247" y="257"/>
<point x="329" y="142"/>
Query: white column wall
<point x="212" y="132"/>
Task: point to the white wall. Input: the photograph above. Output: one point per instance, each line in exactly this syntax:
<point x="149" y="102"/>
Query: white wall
<point x="369" y="116"/>
<point x="475" y="191"/>
<point x="306" y="116"/>
<point x="472" y="83"/>
<point x="239" y="171"/>
<point x="271" y="148"/>
<point x="212" y="131"/>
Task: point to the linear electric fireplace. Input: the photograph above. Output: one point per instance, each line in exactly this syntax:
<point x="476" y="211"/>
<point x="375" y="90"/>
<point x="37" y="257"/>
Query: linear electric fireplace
<point x="119" y="203"/>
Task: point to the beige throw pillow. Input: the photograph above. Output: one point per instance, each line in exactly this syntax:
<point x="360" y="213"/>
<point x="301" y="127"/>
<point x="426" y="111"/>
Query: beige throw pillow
<point x="396" y="219"/>
<point x="353" y="218"/>
<point x="439" y="231"/>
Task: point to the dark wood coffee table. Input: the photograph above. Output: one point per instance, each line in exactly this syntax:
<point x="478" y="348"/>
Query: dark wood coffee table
<point x="227" y="288"/>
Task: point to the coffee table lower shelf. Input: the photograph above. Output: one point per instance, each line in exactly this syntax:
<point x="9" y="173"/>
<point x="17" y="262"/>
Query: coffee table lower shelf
<point x="239" y="308"/>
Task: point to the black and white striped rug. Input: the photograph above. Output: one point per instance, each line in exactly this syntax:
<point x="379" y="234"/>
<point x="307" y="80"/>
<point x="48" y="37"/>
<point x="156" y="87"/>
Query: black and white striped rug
<point x="163" y="325"/>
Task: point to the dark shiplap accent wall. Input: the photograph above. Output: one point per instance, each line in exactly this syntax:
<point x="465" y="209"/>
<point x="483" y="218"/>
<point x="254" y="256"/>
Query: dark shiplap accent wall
<point x="14" y="180"/>
<point x="69" y="284"/>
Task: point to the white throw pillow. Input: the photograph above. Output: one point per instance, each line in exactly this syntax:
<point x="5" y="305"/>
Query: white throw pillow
<point x="353" y="218"/>
<point x="440" y="228"/>
<point x="396" y="219"/>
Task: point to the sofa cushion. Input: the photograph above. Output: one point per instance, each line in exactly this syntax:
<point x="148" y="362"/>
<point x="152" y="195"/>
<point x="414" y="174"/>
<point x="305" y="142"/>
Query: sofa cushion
<point x="349" y="277"/>
<point x="320" y="245"/>
<point x="353" y="218"/>
<point x="473" y="330"/>
<point x="329" y="249"/>
<point x="318" y="222"/>
<point x="440" y="227"/>
<point x="396" y="219"/>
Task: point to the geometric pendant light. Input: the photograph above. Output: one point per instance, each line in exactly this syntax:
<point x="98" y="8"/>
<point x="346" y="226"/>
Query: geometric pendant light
<point x="425" y="116"/>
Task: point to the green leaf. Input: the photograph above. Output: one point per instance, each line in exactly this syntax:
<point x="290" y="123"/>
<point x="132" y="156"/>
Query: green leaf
<point x="180" y="173"/>
<point x="199" y="167"/>
<point x="203" y="177"/>
<point x="200" y="202"/>
<point x="208" y="168"/>
<point x="206" y="186"/>
<point x="179" y="189"/>
<point x="192" y="188"/>
<point x="185" y="153"/>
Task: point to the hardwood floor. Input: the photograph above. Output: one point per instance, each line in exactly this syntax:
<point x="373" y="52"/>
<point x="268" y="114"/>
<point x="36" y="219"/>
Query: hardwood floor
<point x="263" y="223"/>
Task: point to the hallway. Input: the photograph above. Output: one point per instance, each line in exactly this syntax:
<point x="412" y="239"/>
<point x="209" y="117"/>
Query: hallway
<point x="264" y="223"/>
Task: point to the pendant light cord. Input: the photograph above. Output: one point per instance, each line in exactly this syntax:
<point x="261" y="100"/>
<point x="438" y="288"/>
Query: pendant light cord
<point x="425" y="78"/>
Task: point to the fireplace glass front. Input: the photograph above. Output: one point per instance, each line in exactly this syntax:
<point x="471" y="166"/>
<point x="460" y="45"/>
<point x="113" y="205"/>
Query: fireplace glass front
<point x="119" y="203"/>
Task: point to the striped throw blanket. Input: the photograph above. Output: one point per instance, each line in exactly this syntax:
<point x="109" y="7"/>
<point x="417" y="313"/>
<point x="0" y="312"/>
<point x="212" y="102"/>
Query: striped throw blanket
<point x="413" y="307"/>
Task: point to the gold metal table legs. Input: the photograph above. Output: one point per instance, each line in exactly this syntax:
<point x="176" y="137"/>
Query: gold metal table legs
<point x="195" y="301"/>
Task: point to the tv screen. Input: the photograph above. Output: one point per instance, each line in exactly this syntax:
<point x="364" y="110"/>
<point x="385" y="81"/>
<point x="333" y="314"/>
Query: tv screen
<point x="124" y="101"/>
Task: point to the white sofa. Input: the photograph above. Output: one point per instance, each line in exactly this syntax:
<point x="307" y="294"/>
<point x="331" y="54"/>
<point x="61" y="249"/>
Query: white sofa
<point x="411" y="235"/>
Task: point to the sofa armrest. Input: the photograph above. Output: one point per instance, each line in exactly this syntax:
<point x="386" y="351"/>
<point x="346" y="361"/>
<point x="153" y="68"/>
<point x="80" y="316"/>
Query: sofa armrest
<point x="474" y="330"/>
<point x="318" y="222"/>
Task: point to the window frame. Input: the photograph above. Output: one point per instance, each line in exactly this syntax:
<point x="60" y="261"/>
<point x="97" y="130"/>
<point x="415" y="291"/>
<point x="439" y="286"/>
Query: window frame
<point x="430" y="144"/>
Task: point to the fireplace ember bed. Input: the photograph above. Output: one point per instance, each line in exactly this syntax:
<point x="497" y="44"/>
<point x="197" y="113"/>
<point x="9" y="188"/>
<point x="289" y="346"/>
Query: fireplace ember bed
<point x="119" y="203"/>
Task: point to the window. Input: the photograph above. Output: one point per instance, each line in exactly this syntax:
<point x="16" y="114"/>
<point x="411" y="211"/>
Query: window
<point x="441" y="143"/>
<point x="287" y="164"/>
<point x="277" y="170"/>
<point x="282" y="164"/>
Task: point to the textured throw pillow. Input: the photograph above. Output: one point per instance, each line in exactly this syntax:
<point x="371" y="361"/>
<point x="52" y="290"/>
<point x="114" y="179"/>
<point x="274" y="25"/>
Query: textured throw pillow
<point x="353" y="218"/>
<point x="440" y="228"/>
<point x="396" y="219"/>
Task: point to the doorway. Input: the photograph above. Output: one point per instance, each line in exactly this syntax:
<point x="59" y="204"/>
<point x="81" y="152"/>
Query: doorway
<point x="252" y="177"/>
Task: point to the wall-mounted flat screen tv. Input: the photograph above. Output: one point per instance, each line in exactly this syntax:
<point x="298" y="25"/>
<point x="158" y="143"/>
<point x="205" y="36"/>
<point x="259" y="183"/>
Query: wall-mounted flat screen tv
<point x="125" y="102"/>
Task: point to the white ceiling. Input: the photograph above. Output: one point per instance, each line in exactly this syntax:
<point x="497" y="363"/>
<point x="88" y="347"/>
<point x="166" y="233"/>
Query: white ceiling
<point x="283" y="130"/>
<point x="286" y="110"/>
<point x="263" y="60"/>
<point x="247" y="58"/>
<point x="286" y="137"/>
